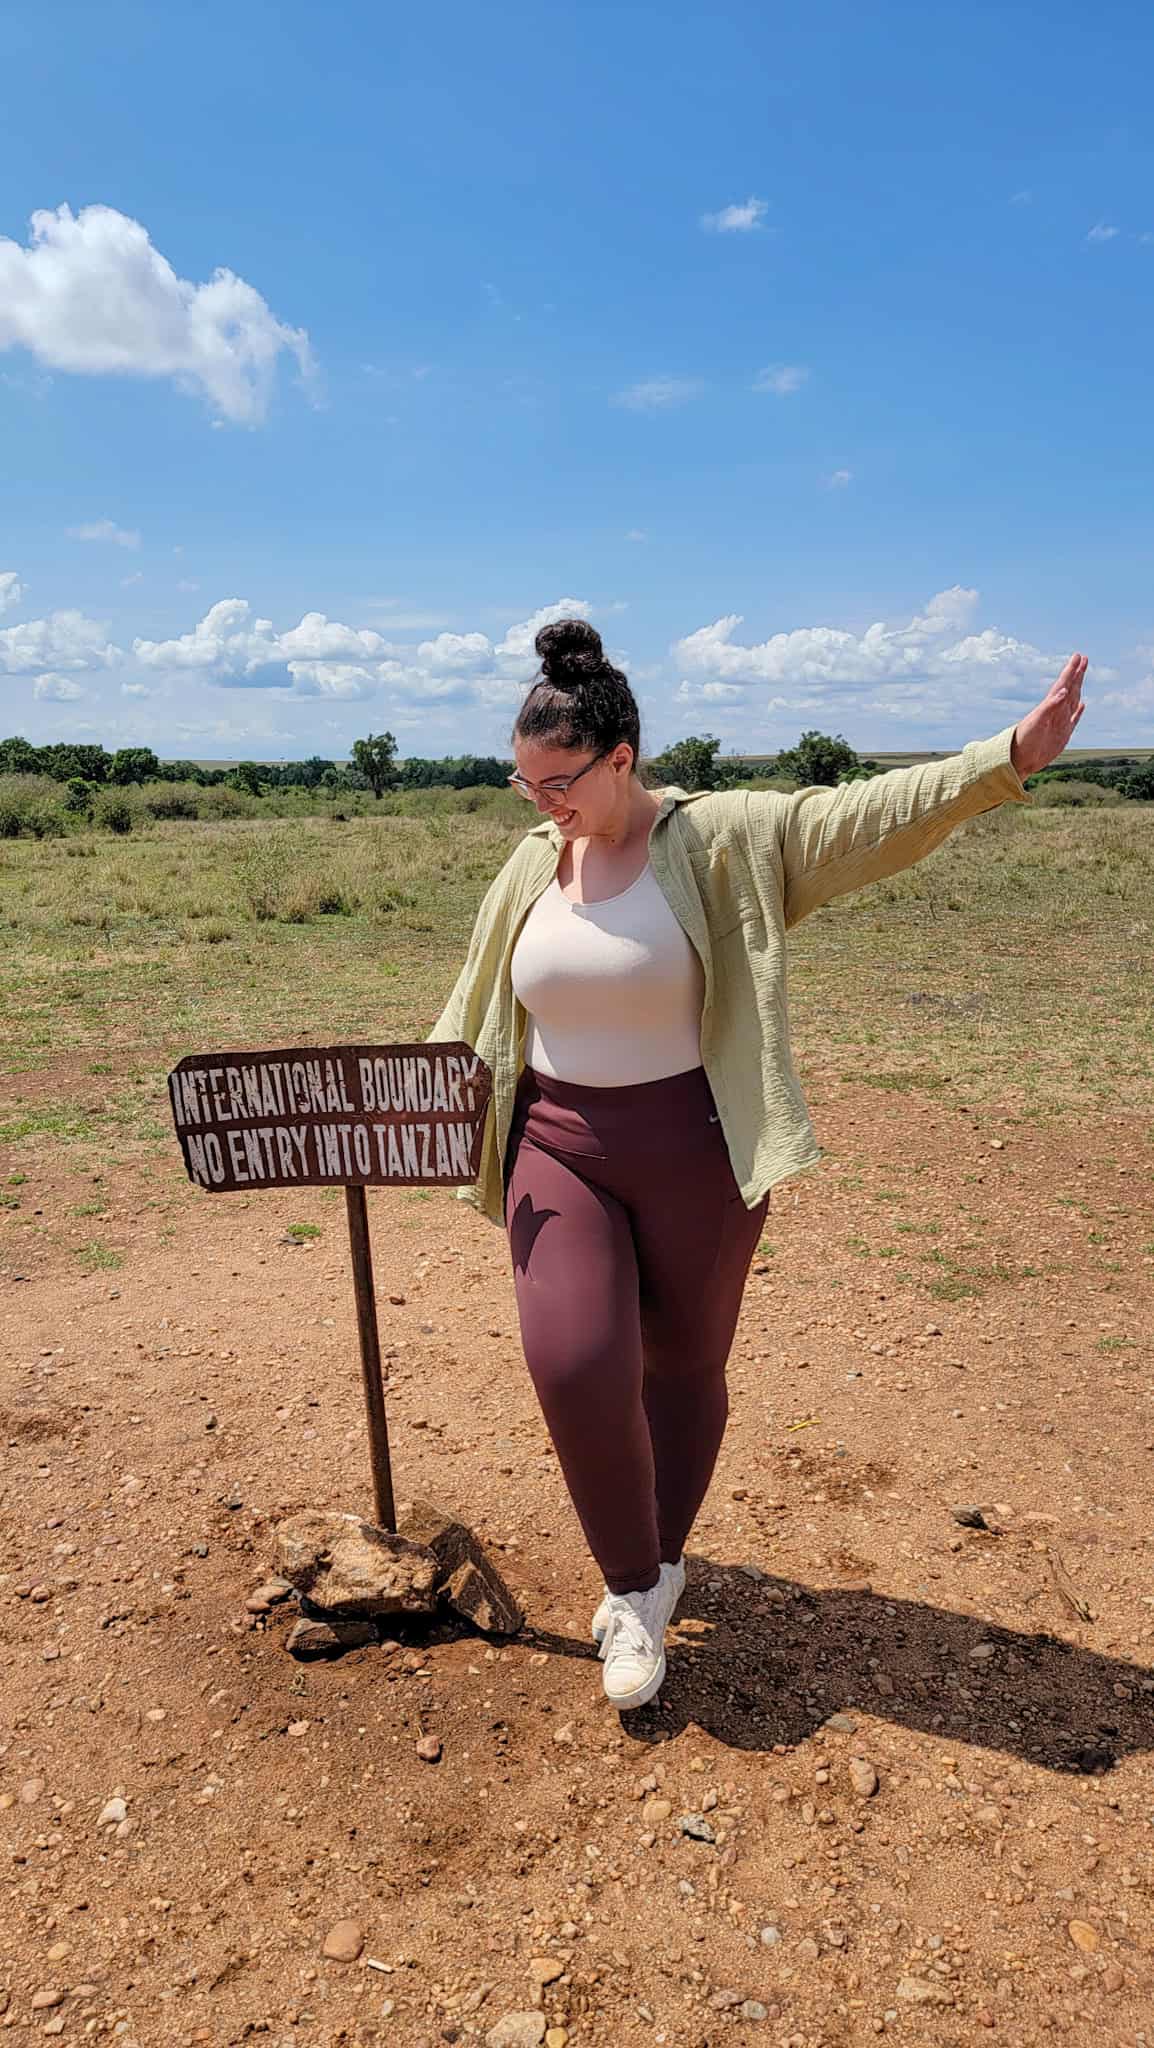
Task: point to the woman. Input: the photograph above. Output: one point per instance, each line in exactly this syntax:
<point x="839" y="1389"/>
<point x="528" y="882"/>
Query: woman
<point x="626" y="983"/>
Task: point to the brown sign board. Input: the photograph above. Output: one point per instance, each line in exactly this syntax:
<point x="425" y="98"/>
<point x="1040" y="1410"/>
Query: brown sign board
<point x="341" y="1116"/>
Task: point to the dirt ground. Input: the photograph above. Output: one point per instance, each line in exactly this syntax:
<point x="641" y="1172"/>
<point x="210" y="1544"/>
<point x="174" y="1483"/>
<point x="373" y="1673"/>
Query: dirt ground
<point x="998" y="1884"/>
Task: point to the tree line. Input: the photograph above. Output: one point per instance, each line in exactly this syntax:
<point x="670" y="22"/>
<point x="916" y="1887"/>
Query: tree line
<point x="693" y="763"/>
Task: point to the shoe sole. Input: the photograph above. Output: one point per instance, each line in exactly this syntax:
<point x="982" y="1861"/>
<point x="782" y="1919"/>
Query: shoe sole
<point x="643" y="1694"/>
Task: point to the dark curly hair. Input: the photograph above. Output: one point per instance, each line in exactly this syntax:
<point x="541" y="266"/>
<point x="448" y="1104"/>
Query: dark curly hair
<point x="579" y="699"/>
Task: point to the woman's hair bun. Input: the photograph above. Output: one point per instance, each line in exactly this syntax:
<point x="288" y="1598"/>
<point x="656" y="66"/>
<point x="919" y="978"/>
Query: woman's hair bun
<point x="570" y="652"/>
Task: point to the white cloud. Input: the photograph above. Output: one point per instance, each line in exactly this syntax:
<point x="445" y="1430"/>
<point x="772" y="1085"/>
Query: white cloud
<point x="636" y="533"/>
<point x="1023" y="198"/>
<point x="92" y="296"/>
<point x="187" y="583"/>
<point x="1103" y="232"/>
<point x="137" y="576"/>
<point x="63" y="640"/>
<point x="736" y="220"/>
<point x="57" y="689"/>
<point x="916" y="669"/>
<point x="104" y="529"/>
<point x="655" y="394"/>
<point x="783" y="379"/>
<point x="11" y="589"/>
<point x="137" y="690"/>
<point x="839" y="480"/>
<point x="320" y="657"/>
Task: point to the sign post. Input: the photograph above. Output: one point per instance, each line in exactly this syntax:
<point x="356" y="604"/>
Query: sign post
<point x="346" y="1116"/>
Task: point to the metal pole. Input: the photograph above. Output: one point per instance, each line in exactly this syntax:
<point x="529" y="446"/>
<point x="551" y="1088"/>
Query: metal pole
<point x="370" y="1357"/>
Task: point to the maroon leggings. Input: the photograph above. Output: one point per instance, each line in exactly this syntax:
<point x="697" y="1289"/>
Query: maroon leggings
<point x="631" y="1244"/>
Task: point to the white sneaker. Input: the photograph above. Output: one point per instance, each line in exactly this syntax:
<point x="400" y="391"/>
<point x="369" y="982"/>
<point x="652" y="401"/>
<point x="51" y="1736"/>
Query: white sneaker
<point x="674" y="1572"/>
<point x="633" y="1648"/>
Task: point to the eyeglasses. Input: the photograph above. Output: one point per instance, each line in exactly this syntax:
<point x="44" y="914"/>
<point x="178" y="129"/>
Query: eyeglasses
<point x="557" y="788"/>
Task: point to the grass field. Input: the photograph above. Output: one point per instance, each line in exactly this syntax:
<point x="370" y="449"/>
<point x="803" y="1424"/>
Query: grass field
<point x="1014" y="962"/>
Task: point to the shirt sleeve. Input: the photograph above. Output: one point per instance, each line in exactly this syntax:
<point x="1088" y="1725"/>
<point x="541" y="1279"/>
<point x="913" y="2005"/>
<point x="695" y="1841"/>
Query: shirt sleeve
<point x="833" y="841"/>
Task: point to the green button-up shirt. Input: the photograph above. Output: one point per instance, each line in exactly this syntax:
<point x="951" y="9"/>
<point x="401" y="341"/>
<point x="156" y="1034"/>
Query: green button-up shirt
<point x="738" y="868"/>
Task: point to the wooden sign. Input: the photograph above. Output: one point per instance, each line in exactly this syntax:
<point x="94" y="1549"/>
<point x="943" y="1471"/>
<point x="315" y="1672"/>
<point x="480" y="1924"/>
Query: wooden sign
<point x="350" y="1115"/>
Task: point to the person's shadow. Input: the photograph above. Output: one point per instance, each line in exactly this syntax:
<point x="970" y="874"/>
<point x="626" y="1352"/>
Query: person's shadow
<point x="758" y="1662"/>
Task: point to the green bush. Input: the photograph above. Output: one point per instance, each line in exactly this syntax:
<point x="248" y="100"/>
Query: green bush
<point x="114" y="812"/>
<point x="11" y="819"/>
<point x="45" y="821"/>
<point x="79" y="796"/>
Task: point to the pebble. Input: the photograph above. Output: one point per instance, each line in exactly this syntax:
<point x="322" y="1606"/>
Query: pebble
<point x="546" y="1969"/>
<point x="981" y="1652"/>
<point x="30" y="1791"/>
<point x="564" y="1736"/>
<point x="43" y="2001"/>
<point x="696" y="1826"/>
<point x="863" y="1777"/>
<point x="429" y="1749"/>
<point x="655" y="1811"/>
<point x="1083" y="1936"/>
<point x="770" y="1936"/>
<point x="59" y="1952"/>
<point x="556" y="2037"/>
<point x="112" y="1814"/>
<point x="753" y="2009"/>
<point x="1113" y="1977"/>
<point x="920" y="1991"/>
<point x="343" y="1942"/>
<point x="517" y="2030"/>
<point x="807" y="1951"/>
<point x="842" y="1724"/>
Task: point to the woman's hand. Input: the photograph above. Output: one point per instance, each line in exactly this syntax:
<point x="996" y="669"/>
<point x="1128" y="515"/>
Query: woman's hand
<point x="1041" y="736"/>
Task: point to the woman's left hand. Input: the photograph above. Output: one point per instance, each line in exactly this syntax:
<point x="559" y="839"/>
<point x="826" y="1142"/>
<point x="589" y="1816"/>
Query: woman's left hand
<point x="1041" y="736"/>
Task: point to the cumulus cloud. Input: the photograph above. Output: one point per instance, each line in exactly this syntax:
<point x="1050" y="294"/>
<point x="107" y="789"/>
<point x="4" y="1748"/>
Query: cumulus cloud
<point x="321" y="657"/>
<point x="11" y="589"/>
<point x="64" y="640"/>
<point x="105" y="529"/>
<point x="736" y="220"/>
<point x="657" y="394"/>
<point x="91" y="295"/>
<point x="783" y="379"/>
<point x="916" y="669"/>
<point x="1103" y="232"/>
<point x="57" y="689"/>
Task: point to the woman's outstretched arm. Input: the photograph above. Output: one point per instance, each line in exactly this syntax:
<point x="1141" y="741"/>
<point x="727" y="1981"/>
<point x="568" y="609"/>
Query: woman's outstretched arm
<point x="834" y="841"/>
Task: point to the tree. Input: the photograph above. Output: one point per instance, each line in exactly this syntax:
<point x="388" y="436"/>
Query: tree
<point x="247" y="776"/>
<point x="818" y="759"/>
<point x="376" y="759"/>
<point x="134" y="764"/>
<point x="19" y="757"/>
<point x="689" y="764"/>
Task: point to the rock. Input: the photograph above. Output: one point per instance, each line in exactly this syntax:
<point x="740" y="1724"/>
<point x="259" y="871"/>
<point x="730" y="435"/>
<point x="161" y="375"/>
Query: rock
<point x="269" y="1595"/>
<point x="723" y="2001"/>
<point x="59" y="1952"/>
<point x="563" y="1736"/>
<point x="807" y="1951"/>
<point x="43" y="2001"/>
<point x="970" y="1518"/>
<point x="770" y="1936"/>
<point x="1113" y="1977"/>
<point x="863" y="1777"/>
<point x="546" y="1969"/>
<point x="655" y="1811"/>
<point x="309" y="1640"/>
<point x="980" y="1653"/>
<point x="467" y="1581"/>
<point x="30" y="1791"/>
<point x="1084" y="1936"/>
<point x="429" y="1749"/>
<point x="922" y="1991"/>
<point x="343" y="1942"/>
<point x="841" y="1724"/>
<point x="517" y="2030"/>
<point x="696" y="1827"/>
<point x="556" y="2037"/>
<point x="350" y="1569"/>
<point x="753" y="2009"/>
<point x="112" y="1814"/>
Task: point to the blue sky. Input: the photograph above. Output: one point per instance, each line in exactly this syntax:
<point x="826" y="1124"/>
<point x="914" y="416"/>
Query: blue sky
<point x="807" y="352"/>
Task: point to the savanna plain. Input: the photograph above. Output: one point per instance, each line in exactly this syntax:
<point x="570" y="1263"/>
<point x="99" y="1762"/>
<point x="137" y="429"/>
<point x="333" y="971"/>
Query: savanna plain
<point x="898" y="1782"/>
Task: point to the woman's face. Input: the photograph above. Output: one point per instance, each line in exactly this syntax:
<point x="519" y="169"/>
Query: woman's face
<point x="592" y="804"/>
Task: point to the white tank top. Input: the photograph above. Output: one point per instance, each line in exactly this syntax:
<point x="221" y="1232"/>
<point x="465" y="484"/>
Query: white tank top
<point x="613" y="990"/>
